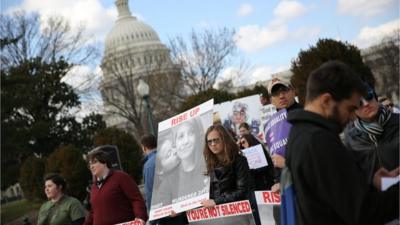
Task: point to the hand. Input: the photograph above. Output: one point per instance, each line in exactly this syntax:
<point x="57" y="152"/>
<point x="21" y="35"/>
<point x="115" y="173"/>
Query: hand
<point x="208" y="203"/>
<point x="382" y="172"/>
<point x="142" y="222"/>
<point x="279" y="161"/>
<point x="276" y="187"/>
<point x="173" y="213"/>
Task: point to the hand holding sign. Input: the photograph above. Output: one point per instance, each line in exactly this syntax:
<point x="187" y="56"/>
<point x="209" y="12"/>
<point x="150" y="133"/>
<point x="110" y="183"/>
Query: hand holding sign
<point x="208" y="203"/>
<point x="278" y="160"/>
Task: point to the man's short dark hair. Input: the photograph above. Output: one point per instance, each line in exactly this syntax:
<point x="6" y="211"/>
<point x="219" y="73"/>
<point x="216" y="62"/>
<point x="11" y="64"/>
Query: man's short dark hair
<point x="335" y="78"/>
<point x="100" y="156"/>
<point x="57" y="180"/>
<point x="149" y="141"/>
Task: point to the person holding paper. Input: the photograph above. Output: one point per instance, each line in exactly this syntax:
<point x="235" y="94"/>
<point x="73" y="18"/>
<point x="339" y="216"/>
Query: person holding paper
<point x="227" y="167"/>
<point x="329" y="186"/>
<point x="373" y="137"/>
<point x="264" y="176"/>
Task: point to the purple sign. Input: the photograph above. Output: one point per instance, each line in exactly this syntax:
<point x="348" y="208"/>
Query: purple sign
<point x="277" y="132"/>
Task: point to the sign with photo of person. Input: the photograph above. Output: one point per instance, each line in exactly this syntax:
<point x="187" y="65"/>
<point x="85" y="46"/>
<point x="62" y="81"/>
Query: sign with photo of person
<point x="265" y="202"/>
<point x="277" y="132"/>
<point x="238" y="213"/>
<point x="235" y="112"/>
<point x="179" y="180"/>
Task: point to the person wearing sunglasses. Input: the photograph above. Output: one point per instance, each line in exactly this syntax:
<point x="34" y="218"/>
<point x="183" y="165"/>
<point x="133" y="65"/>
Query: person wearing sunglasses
<point x="227" y="167"/>
<point x="262" y="178"/>
<point x="373" y="136"/>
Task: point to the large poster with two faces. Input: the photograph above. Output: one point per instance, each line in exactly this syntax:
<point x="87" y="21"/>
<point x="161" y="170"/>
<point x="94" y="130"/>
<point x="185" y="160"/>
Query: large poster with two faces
<point x="179" y="180"/>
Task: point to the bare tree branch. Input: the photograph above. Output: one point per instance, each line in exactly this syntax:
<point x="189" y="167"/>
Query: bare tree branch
<point x="204" y="58"/>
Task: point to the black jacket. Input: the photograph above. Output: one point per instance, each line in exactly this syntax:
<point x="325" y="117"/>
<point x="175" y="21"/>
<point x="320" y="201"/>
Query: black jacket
<point x="230" y="183"/>
<point x="370" y="156"/>
<point x="263" y="178"/>
<point x="330" y="188"/>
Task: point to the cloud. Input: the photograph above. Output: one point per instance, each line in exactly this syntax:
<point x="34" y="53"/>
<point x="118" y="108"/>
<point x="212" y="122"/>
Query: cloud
<point x="82" y="78"/>
<point x="288" y="10"/>
<point x="253" y="38"/>
<point x="85" y="81"/>
<point x="96" y="18"/>
<point x="264" y="72"/>
<point x="256" y="74"/>
<point x="373" y="35"/>
<point x="245" y="10"/>
<point x="364" y="8"/>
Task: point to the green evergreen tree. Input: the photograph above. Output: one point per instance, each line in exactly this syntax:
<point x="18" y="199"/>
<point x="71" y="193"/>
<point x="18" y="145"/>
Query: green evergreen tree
<point x="69" y="163"/>
<point x="129" y="150"/>
<point x="31" y="179"/>
<point x="325" y="50"/>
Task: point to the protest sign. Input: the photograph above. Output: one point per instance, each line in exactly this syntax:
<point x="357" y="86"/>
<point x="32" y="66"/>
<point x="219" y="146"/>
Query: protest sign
<point x="265" y="202"/>
<point x="239" y="212"/>
<point x="133" y="222"/>
<point x="266" y="112"/>
<point x="277" y="132"/>
<point x="179" y="180"/>
<point x="235" y="112"/>
<point x="255" y="157"/>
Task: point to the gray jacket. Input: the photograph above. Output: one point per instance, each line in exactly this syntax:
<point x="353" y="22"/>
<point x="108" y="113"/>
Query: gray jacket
<point x="371" y="156"/>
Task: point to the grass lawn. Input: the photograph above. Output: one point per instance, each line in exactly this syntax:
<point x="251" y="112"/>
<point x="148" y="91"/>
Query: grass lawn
<point x="14" y="210"/>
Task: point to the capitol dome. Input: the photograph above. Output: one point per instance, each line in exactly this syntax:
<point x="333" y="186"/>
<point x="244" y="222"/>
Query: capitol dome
<point x="133" y="51"/>
<point x="129" y="32"/>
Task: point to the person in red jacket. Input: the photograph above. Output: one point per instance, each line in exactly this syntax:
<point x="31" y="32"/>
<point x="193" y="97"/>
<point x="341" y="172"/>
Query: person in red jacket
<point x="115" y="197"/>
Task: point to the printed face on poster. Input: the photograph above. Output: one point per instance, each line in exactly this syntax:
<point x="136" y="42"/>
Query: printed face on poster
<point x="233" y="113"/>
<point x="179" y="180"/>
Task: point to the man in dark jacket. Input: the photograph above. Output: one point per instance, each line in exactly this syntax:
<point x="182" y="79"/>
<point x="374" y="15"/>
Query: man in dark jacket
<point x="373" y="137"/>
<point x="283" y="96"/>
<point x="329" y="186"/>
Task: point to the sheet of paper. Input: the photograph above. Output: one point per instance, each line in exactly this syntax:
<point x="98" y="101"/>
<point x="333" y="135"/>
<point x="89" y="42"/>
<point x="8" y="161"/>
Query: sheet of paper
<point x="255" y="157"/>
<point x="387" y="182"/>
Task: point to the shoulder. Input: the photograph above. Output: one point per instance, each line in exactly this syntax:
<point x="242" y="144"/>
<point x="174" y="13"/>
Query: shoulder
<point x="45" y="206"/>
<point x="72" y="200"/>
<point x="119" y="175"/>
<point x="240" y="161"/>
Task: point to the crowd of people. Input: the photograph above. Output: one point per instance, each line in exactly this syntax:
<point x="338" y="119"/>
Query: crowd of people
<point x="341" y="143"/>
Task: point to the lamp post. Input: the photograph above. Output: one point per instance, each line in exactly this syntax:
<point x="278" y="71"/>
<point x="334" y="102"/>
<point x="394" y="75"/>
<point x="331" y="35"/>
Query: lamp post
<point x="144" y="90"/>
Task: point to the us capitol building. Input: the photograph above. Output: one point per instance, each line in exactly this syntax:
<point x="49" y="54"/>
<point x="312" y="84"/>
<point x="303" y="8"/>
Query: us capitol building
<point x="133" y="51"/>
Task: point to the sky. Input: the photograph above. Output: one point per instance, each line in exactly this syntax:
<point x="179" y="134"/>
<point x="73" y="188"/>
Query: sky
<point x="269" y="33"/>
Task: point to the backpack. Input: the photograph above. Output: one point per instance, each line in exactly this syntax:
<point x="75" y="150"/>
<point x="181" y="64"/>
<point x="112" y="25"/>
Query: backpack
<point x="288" y="198"/>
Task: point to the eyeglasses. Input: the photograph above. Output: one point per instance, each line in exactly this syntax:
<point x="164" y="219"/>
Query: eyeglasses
<point x="91" y="162"/>
<point x="215" y="141"/>
<point x="278" y="91"/>
<point x="368" y="97"/>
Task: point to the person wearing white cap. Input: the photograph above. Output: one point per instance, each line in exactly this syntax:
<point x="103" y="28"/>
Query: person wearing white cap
<point x="283" y="96"/>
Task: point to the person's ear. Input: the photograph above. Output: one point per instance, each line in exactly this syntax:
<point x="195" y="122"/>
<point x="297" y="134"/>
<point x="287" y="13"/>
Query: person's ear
<point x="325" y="103"/>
